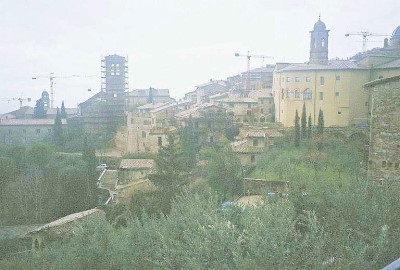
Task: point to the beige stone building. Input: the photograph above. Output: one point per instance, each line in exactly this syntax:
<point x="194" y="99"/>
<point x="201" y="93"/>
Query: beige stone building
<point x="335" y="86"/>
<point x="141" y="134"/>
<point x="26" y="131"/>
<point x="254" y="141"/>
<point x="384" y="148"/>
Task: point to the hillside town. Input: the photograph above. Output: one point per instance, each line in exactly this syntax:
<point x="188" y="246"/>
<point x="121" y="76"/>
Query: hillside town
<point x="237" y="124"/>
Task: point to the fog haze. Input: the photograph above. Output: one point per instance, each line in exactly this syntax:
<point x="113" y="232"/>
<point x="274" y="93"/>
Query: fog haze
<point x="170" y="44"/>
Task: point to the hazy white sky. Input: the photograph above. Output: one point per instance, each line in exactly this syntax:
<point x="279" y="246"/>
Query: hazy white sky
<point x="171" y="44"/>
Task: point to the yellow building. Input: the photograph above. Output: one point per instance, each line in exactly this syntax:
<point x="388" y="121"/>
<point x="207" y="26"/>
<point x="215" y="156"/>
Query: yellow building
<point x="335" y="86"/>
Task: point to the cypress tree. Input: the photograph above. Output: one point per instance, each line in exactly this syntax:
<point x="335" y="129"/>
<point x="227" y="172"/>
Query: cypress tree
<point x="189" y="142"/>
<point x="273" y="112"/>
<point x="63" y="112"/>
<point x="309" y="131"/>
<point x="320" y="127"/>
<point x="304" y="123"/>
<point x="39" y="111"/>
<point x="296" y="130"/>
<point x="58" y="136"/>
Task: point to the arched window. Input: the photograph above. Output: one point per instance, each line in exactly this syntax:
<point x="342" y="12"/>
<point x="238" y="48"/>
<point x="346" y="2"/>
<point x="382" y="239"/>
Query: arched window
<point x="307" y="94"/>
<point x="288" y="93"/>
<point x="296" y="93"/>
<point x="323" y="42"/>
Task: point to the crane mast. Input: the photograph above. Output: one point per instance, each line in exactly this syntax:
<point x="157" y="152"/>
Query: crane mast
<point x="365" y="35"/>
<point x="52" y="77"/>
<point x="249" y="56"/>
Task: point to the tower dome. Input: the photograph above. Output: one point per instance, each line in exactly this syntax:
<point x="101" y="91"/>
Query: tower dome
<point x="319" y="25"/>
<point x="396" y="32"/>
<point x="319" y="43"/>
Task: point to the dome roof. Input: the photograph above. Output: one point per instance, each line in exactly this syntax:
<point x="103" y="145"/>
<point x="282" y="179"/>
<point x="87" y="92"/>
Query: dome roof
<point x="319" y="25"/>
<point x="396" y="32"/>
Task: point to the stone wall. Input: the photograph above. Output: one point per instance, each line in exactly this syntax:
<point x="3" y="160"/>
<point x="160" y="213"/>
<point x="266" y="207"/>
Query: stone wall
<point x="384" y="152"/>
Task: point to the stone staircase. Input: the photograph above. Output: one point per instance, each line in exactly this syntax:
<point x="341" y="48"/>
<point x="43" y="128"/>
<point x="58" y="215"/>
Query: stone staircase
<point x="108" y="180"/>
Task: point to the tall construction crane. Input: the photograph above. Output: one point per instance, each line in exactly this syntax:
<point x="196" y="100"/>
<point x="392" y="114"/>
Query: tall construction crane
<point x="52" y="77"/>
<point x="365" y="35"/>
<point x="20" y="99"/>
<point x="249" y="56"/>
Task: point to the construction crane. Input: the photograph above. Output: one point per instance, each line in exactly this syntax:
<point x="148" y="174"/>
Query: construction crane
<point x="249" y="56"/>
<point x="52" y="77"/>
<point x="20" y="99"/>
<point x="365" y="35"/>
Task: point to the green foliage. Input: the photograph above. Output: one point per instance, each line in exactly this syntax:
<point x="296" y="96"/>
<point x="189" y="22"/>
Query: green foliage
<point x="309" y="128"/>
<point x="304" y="122"/>
<point x="320" y="126"/>
<point x="189" y="143"/>
<point x="273" y="111"/>
<point x="39" y="111"/>
<point x="58" y="133"/>
<point x="40" y="154"/>
<point x="296" y="130"/>
<point x="224" y="171"/>
<point x="171" y="172"/>
<point x="63" y="112"/>
<point x="41" y="188"/>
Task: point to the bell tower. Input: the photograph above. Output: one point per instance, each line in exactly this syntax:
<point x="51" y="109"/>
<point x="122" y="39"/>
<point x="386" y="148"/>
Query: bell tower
<point x="319" y="44"/>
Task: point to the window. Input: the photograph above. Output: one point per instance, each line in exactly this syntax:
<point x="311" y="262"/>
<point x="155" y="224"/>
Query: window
<point x="24" y="131"/>
<point x="396" y="165"/>
<point x="321" y="95"/>
<point x="323" y="42"/>
<point x="383" y="163"/>
<point x="143" y="134"/>
<point x="261" y="110"/>
<point x="252" y="158"/>
<point x="297" y="79"/>
<point x="255" y="142"/>
<point x="389" y="164"/>
<point x="248" y="113"/>
<point x="322" y="80"/>
<point x="380" y="77"/>
<point x="249" y="105"/>
<point x="337" y="94"/>
<point x="159" y="141"/>
<point x="337" y="77"/>
<point x="339" y="112"/>
<point x="9" y="131"/>
<point x="211" y="139"/>
<point x="288" y="93"/>
<point x="288" y="79"/>
<point x="297" y="93"/>
<point x="307" y="94"/>
<point x="308" y="79"/>
<point x="38" y="131"/>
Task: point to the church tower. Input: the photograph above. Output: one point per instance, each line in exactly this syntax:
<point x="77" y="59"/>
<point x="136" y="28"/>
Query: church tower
<point x="319" y="44"/>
